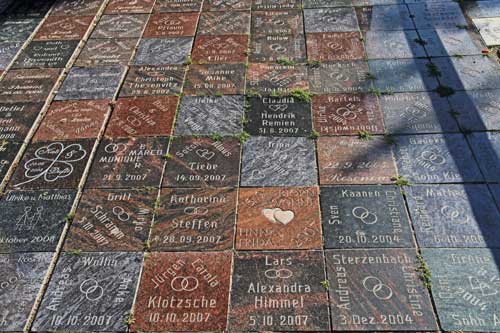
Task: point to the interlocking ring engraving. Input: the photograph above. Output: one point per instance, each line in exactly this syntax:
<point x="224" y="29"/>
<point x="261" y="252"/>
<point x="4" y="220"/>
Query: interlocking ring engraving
<point x="379" y="289"/>
<point x="195" y="210"/>
<point x="91" y="289"/>
<point x="364" y="215"/>
<point x="114" y="147"/>
<point x="456" y="214"/>
<point x="278" y="48"/>
<point x="184" y="283"/>
<point x="432" y="157"/>
<point x="281" y="273"/>
<point x="120" y="213"/>
<point x="346" y="113"/>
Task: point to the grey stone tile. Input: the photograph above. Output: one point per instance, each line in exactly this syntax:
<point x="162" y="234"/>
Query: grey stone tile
<point x="163" y="51"/>
<point x="46" y="54"/>
<point x="449" y="42"/>
<point x="120" y="26"/>
<point x="394" y="17"/>
<point x="477" y="110"/>
<point x="476" y="9"/>
<point x="489" y="29"/>
<point x="8" y="51"/>
<point x="278" y="162"/>
<point x="17" y="30"/>
<point x="441" y="14"/>
<point x="486" y="148"/>
<point x="330" y="20"/>
<point x="393" y="44"/>
<point x="341" y="76"/>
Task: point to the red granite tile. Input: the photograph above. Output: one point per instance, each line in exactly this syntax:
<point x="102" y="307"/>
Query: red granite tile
<point x="76" y="7"/>
<point x="333" y="46"/>
<point x="183" y="292"/>
<point x="220" y="49"/>
<point x="278" y="218"/>
<point x="172" y="25"/>
<point x="129" y="6"/>
<point x="64" y="27"/>
<point x="351" y="160"/>
<point x="226" y="79"/>
<point x="347" y="114"/>
<point x="175" y="6"/>
<point x="71" y="120"/>
<point x="226" y="5"/>
<point x="273" y="78"/>
<point x="143" y="116"/>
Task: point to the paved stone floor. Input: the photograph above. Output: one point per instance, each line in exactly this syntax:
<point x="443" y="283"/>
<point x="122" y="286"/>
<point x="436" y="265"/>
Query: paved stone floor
<point x="254" y="165"/>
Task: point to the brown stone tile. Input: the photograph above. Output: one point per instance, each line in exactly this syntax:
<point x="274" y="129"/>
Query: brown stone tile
<point x="28" y="85"/>
<point x="175" y="6"/>
<point x="172" y="25"/>
<point x="129" y="6"/>
<point x="195" y="220"/>
<point x="203" y="162"/>
<point x="112" y="220"/>
<point x="277" y="22"/>
<point x="224" y="23"/>
<point x="199" y="281"/>
<point x="64" y="27"/>
<point x="351" y="160"/>
<point x="226" y="5"/>
<point x="153" y="80"/>
<point x="128" y="163"/>
<point x="226" y="79"/>
<point x="270" y="48"/>
<point x="106" y="52"/>
<point x="278" y="218"/>
<point x="71" y="120"/>
<point x="269" y="78"/>
<point x="333" y="46"/>
<point x="143" y="116"/>
<point x="347" y="114"/>
<point x="220" y="49"/>
<point x="16" y="119"/>
<point x="76" y="7"/>
<point x="275" y="4"/>
<point x="120" y="26"/>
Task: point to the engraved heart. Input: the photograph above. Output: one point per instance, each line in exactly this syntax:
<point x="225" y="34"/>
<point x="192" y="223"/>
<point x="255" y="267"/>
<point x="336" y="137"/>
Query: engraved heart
<point x="204" y="153"/>
<point x="278" y="107"/>
<point x="283" y="216"/>
<point x="269" y="214"/>
<point x="257" y="175"/>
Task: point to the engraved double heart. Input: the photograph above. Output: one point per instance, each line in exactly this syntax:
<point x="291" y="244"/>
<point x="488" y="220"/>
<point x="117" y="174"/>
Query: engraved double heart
<point x="205" y="153"/>
<point x="278" y="107"/>
<point x="277" y="215"/>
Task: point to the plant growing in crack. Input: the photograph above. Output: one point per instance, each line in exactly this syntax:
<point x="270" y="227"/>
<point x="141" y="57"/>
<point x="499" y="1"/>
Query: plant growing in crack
<point x="425" y="272"/>
<point x="400" y="181"/>
<point x="365" y="135"/>
<point x="301" y="95"/>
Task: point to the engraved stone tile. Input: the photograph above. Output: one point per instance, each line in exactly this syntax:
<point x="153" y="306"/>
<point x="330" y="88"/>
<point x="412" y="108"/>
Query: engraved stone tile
<point x="441" y="14"/>
<point x="195" y="220"/>
<point x="172" y="25"/>
<point x="27" y="9"/>
<point x="173" y="6"/>
<point x="163" y="51"/>
<point x="91" y="290"/>
<point x="326" y="3"/>
<point x="226" y="5"/>
<point x="106" y="52"/>
<point x="347" y="114"/>
<point x="340" y="76"/>
<point x="8" y="51"/>
<point x="72" y="120"/>
<point x="129" y="6"/>
<point x="482" y="8"/>
<point x="153" y="81"/>
<point x="454" y="215"/>
<point x="32" y="221"/>
<point x="51" y="165"/>
<point x="128" y="163"/>
<point x="91" y="83"/>
<point x="364" y="217"/>
<point x="224" y="23"/>
<point x="437" y="158"/>
<point x="449" y="42"/>
<point x="199" y="279"/>
<point x="277" y="22"/>
<point x="351" y="160"/>
<point x="22" y="277"/>
<point x="477" y="110"/>
<point x="275" y="4"/>
<point x="469" y="73"/>
<point x="395" y="17"/>
<point x="64" y="28"/>
<point x="220" y="49"/>
<point x="273" y="78"/>
<point x="17" y="30"/>
<point x="272" y="290"/>
<point x="203" y="162"/>
<point x="269" y="161"/>
<point x="372" y="289"/>
<point x="424" y="112"/>
<point x="28" y="85"/>
<point x="143" y="116"/>
<point x="393" y="44"/>
<point x="120" y="26"/>
<point x="277" y="218"/>
<point x="486" y="148"/>
<point x="489" y="28"/>
<point x="210" y="115"/>
<point x="402" y="75"/>
<point x="76" y="7"/>
<point x="226" y="79"/>
<point x="333" y="46"/>
<point x="270" y="48"/>
<point x="8" y="151"/>
<point x="278" y="116"/>
<point x="465" y="286"/>
<point x="49" y="54"/>
<point x="330" y="20"/>
<point x="16" y="119"/>
<point x="112" y="220"/>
